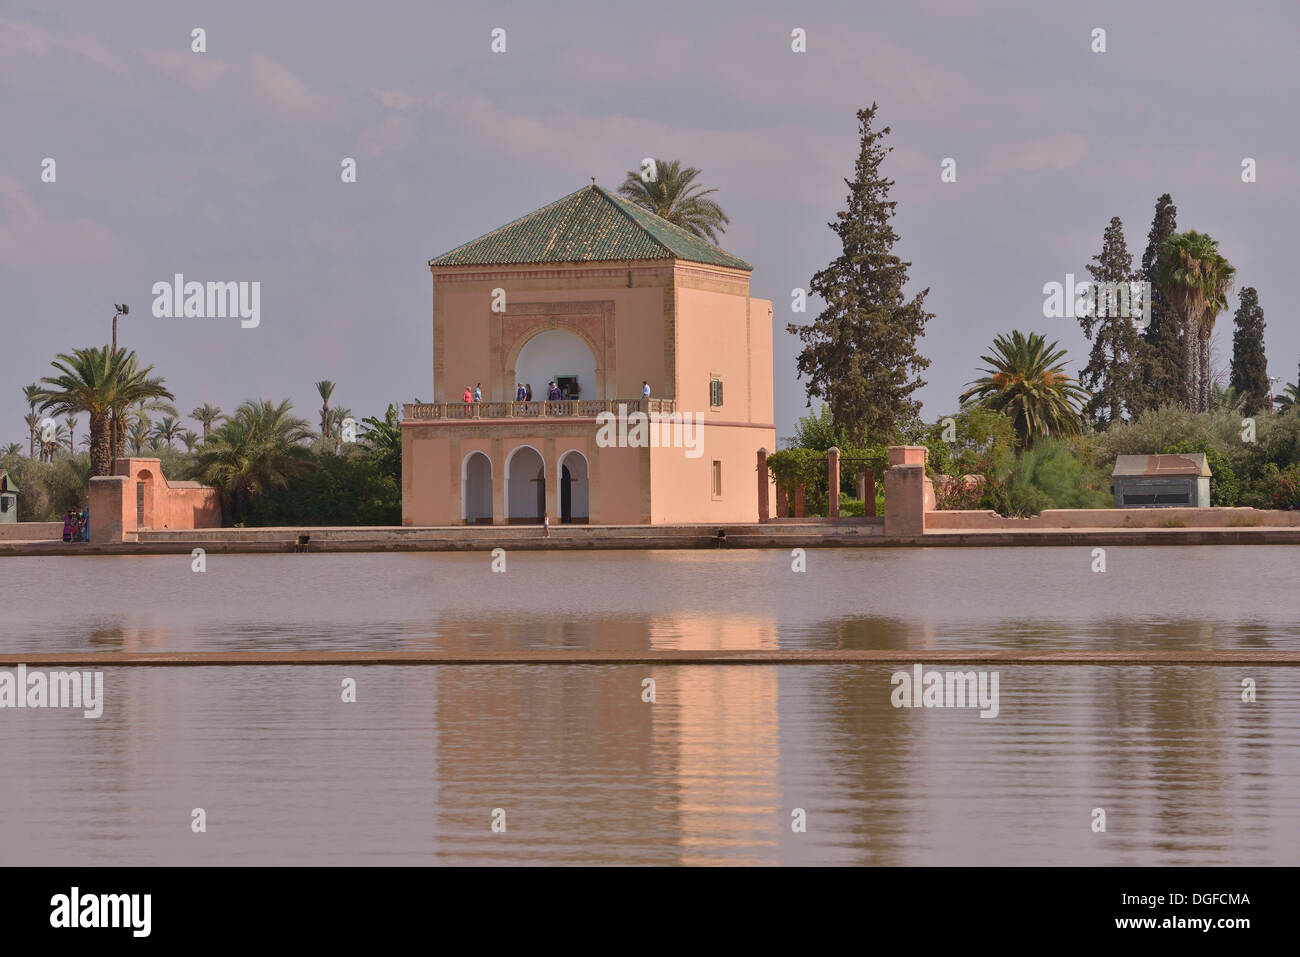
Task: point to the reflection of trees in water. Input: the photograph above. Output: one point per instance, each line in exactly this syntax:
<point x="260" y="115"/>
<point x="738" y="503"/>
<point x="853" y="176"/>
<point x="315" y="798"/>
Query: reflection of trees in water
<point x="1162" y="764"/>
<point x="868" y="745"/>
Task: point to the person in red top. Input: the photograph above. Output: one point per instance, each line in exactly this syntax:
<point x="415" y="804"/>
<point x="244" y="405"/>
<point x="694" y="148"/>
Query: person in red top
<point x="468" y="397"/>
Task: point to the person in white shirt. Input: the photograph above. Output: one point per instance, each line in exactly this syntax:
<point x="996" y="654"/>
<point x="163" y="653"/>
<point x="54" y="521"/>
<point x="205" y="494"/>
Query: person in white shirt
<point x="645" y="389"/>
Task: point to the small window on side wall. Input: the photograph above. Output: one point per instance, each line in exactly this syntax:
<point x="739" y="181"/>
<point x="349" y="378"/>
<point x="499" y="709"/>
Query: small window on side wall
<point x="717" y="478"/>
<point x="715" y="393"/>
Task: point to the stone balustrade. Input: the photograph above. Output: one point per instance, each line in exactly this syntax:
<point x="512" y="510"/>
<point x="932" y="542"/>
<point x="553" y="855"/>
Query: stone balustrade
<point x="546" y="409"/>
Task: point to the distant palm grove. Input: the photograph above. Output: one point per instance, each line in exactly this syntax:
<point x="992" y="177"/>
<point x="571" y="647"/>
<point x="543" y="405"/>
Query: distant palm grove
<point x="270" y="466"/>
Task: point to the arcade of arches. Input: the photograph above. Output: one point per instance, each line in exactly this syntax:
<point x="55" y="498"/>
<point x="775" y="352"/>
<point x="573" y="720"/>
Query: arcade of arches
<point x="525" y="486"/>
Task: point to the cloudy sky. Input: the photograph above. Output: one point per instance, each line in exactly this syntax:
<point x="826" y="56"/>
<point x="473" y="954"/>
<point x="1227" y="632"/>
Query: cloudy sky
<point x="225" y="165"/>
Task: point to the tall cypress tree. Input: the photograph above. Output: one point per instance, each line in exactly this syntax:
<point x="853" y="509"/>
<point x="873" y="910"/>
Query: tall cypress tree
<point x="1162" y="349"/>
<point x="1249" y="367"/>
<point x="1113" y="373"/>
<point x="860" y="353"/>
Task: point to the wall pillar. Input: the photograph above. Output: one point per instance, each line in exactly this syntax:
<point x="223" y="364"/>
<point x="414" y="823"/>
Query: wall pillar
<point x="798" y="501"/>
<point x="762" y="486"/>
<point x="782" y="501"/>
<point x="833" y="482"/>
<point x="112" y="511"/>
<point x="909" y="494"/>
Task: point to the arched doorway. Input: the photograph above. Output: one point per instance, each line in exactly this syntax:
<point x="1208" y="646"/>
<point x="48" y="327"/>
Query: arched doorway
<point x="476" y="489"/>
<point x="575" y="489"/>
<point x="556" y="354"/>
<point x="525" y="486"/>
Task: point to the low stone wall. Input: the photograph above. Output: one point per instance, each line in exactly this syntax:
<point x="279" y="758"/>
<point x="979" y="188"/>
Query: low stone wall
<point x="31" y="532"/>
<point x="1067" y="518"/>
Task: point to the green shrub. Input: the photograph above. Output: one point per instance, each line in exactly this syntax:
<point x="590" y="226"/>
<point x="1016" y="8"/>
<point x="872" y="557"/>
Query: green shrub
<point x="48" y="489"/>
<point x="1050" y="474"/>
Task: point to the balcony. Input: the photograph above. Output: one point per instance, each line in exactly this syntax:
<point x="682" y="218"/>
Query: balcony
<point x="558" y="409"/>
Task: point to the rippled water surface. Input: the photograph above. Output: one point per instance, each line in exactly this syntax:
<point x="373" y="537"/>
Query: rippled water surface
<point x="585" y="771"/>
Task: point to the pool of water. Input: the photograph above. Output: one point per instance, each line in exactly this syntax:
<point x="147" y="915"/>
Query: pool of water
<point x="717" y="769"/>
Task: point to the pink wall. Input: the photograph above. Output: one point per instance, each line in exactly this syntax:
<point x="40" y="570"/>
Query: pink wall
<point x="31" y="531"/>
<point x="682" y="487"/>
<point x="113" y="502"/>
<point x="1112" y="518"/>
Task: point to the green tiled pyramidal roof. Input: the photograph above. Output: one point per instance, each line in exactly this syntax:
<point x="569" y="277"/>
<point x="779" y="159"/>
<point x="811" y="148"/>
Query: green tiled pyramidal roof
<point x="591" y="225"/>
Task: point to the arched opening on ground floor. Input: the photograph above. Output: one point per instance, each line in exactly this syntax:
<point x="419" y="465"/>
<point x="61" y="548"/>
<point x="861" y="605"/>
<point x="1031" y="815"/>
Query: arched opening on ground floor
<point x="476" y="489"/>
<point x="575" y="489"/>
<point x="525" y="486"/>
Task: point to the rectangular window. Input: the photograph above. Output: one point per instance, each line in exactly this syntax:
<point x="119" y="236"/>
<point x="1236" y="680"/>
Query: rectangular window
<point x="717" y="479"/>
<point x="715" y="393"/>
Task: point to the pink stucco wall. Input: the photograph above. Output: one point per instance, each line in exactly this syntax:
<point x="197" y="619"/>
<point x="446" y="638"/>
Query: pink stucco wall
<point x="113" y="502"/>
<point x="1112" y="518"/>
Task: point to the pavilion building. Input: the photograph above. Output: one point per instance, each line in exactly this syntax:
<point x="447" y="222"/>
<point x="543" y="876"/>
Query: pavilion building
<point x="600" y="297"/>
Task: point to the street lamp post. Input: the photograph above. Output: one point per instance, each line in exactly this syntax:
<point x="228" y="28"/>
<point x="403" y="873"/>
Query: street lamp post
<point x="122" y="310"/>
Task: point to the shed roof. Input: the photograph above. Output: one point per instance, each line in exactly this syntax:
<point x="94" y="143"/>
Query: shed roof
<point x="589" y="225"/>
<point x="6" y="483"/>
<point x="1189" y="463"/>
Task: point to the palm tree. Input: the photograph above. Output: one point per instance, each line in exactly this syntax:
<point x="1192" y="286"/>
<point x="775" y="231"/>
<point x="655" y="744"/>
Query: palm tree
<point x="337" y="416"/>
<point x="12" y="450"/>
<point x="1289" y="397"/>
<point x="675" y="196"/>
<point x="1196" y="280"/>
<point x="71" y="422"/>
<point x="382" y="440"/>
<point x="30" y="393"/>
<point x="325" y="388"/>
<point x="33" y="421"/>
<point x="49" y="448"/>
<point x="168" y="430"/>
<point x="1027" y="382"/>
<point x="190" y="439"/>
<point x="138" y="433"/>
<point x="259" y="447"/>
<point x="205" y="415"/>
<point x="100" y="382"/>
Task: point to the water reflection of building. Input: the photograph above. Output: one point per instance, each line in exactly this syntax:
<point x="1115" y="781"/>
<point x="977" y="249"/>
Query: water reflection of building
<point x="717" y="741"/>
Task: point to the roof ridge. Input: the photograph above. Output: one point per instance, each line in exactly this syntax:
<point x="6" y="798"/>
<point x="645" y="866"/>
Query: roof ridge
<point x="617" y="202"/>
<point x="513" y="222"/>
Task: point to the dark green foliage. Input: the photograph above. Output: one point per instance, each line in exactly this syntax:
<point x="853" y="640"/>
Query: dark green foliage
<point x="1249" y="367"/>
<point x="1162" y="352"/>
<point x="348" y="489"/>
<point x="48" y="489"/>
<point x="860" y="353"/>
<point x="1113" y="373"/>
<point x="1054" y="473"/>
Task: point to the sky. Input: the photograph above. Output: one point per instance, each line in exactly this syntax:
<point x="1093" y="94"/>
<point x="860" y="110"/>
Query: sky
<point x="225" y="165"/>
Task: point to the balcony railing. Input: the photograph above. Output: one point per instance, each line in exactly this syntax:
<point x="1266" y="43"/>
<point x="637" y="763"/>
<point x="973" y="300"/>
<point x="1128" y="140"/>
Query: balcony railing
<point x="558" y="409"/>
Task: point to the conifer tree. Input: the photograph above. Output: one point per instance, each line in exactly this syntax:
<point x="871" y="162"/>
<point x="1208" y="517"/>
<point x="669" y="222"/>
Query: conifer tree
<point x="1249" y="367"/>
<point x="860" y="353"/>
<point x="1113" y="372"/>
<point x="1162" y="349"/>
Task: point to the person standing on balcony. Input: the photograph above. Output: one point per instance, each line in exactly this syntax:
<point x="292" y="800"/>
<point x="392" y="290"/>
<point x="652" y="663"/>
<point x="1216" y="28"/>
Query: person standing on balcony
<point x="554" y="393"/>
<point x="645" y="389"/>
<point x="528" y="392"/>
<point x="520" y="395"/>
<point x="468" y="397"/>
<point x="478" y="392"/>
